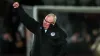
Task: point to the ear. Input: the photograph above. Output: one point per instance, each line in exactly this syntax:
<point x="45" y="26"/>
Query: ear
<point x="53" y="24"/>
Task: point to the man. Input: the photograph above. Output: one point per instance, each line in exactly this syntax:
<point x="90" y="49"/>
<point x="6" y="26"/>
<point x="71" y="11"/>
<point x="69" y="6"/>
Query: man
<point x="50" y="40"/>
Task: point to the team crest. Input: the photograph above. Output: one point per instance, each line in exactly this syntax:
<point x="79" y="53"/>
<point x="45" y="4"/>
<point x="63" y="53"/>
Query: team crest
<point x="52" y="33"/>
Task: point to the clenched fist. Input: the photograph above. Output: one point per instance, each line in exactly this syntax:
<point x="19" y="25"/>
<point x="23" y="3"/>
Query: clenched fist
<point x="15" y="4"/>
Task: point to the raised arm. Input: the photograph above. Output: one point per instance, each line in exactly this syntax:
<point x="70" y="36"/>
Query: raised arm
<point x="29" y="22"/>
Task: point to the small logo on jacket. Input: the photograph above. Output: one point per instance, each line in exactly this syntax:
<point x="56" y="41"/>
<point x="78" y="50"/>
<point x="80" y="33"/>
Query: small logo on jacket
<point x="52" y="33"/>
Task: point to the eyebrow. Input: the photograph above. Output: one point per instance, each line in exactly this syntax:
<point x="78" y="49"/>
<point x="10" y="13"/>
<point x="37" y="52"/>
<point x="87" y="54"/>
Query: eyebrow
<point x="48" y="22"/>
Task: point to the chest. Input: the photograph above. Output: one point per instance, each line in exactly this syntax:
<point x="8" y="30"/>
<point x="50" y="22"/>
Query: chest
<point x="50" y="37"/>
<point x="49" y="34"/>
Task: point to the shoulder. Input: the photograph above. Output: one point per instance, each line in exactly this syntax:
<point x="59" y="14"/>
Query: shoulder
<point x="60" y="30"/>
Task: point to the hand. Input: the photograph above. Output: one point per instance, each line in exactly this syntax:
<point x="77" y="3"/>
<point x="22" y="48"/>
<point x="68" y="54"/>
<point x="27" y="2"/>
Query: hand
<point x="15" y="4"/>
<point x="6" y="36"/>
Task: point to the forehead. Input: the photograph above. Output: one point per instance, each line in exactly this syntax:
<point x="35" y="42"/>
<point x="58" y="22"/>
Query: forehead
<point x="49" y="18"/>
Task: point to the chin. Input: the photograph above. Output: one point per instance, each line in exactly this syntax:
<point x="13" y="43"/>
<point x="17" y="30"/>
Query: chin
<point x="45" y="28"/>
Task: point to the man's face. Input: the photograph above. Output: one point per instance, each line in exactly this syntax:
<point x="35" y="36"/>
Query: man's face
<point x="47" y="21"/>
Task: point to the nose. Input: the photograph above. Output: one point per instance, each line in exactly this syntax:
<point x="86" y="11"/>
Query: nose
<point x="47" y="23"/>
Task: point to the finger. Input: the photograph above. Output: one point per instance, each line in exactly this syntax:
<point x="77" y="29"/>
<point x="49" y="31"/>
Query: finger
<point x="15" y="4"/>
<point x="15" y="7"/>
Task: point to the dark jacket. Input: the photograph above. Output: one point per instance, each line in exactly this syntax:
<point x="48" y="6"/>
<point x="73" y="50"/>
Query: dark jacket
<point x="51" y="43"/>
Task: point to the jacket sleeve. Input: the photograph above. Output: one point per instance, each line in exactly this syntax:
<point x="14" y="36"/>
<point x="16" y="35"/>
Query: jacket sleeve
<point x="29" y="22"/>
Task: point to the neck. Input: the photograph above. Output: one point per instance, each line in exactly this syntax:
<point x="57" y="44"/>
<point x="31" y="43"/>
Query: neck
<point x="45" y="28"/>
